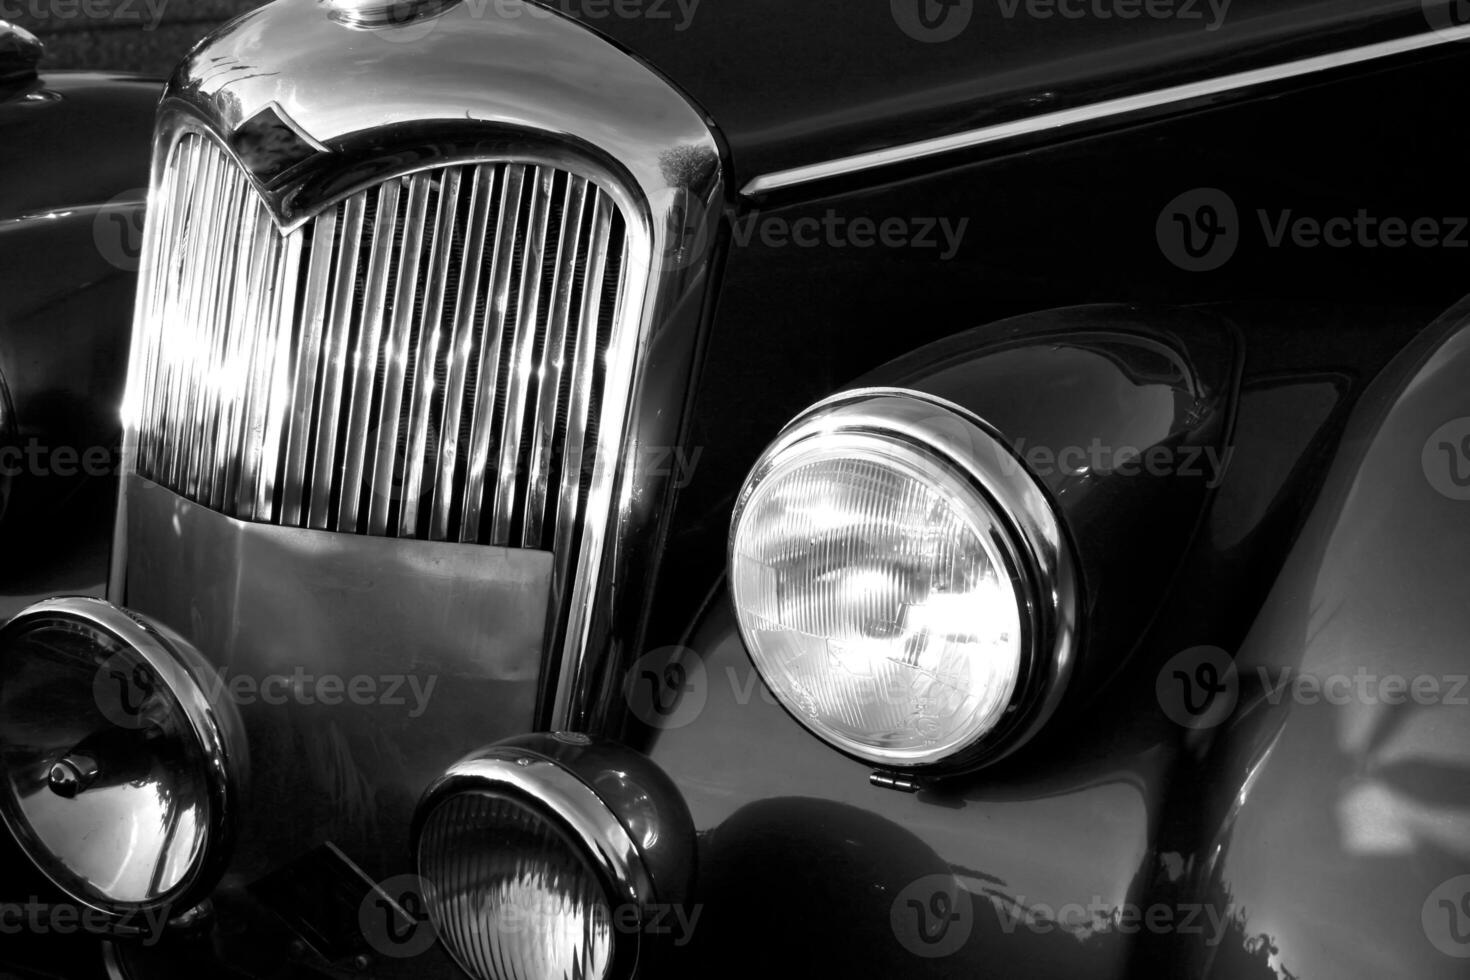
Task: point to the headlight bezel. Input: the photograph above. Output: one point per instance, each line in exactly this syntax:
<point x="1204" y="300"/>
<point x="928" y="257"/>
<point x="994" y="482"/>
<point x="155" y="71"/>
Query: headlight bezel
<point x="183" y="680"/>
<point x="1037" y="552"/>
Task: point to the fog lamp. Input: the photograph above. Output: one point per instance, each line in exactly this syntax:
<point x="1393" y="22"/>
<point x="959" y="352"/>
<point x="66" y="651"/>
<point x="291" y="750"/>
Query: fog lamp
<point x="902" y="583"/>
<point x="119" y="776"/>
<point x="539" y="858"/>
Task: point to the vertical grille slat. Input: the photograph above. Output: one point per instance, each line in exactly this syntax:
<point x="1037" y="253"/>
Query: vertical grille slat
<point x="518" y="378"/>
<point x="334" y="377"/>
<point x="277" y="376"/>
<point x="420" y="420"/>
<point x="584" y="364"/>
<point x="421" y="359"/>
<point x="366" y="356"/>
<point x="462" y="353"/>
<point x="311" y="337"/>
<point x="244" y="441"/>
<point x="487" y="378"/>
<point x="553" y="362"/>
<point x="395" y="358"/>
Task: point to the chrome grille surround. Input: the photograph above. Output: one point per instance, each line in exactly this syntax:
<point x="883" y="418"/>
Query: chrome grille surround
<point x="313" y="112"/>
<point x="418" y="360"/>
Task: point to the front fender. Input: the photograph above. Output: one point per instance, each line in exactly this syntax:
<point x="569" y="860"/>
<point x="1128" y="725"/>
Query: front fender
<point x="1337" y="815"/>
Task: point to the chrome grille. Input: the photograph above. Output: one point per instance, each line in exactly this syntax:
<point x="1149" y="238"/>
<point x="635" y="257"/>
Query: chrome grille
<point x="422" y="360"/>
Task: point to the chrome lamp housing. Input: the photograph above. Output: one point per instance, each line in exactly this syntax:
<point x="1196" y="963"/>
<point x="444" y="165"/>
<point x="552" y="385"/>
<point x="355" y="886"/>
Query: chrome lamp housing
<point x="903" y="584"/>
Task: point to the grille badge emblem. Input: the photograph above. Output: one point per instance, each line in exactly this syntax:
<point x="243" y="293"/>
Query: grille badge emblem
<point x="270" y="144"/>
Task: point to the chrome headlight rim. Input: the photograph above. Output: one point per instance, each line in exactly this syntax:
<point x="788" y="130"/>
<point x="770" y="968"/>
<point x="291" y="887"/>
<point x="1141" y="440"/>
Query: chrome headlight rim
<point x="543" y="785"/>
<point x="1044" y="569"/>
<point x="220" y="739"/>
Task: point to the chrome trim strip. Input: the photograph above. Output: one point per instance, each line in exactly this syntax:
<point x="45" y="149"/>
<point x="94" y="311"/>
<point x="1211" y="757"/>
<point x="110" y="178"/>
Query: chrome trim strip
<point x="578" y="414"/>
<point x="430" y="340"/>
<point x="365" y="357"/>
<point x="488" y="376"/>
<point x="1109" y="109"/>
<point x="218" y="207"/>
<point x="334" y="374"/>
<point x="263" y="301"/>
<point x="395" y="353"/>
<point x="313" y="324"/>
<point x="554" y="360"/>
<point x="518" y="377"/>
<point x="278" y="385"/>
<point x="481" y="195"/>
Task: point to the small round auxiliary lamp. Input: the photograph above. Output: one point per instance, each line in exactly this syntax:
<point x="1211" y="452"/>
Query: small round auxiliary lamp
<point x="120" y="775"/>
<point x="549" y="856"/>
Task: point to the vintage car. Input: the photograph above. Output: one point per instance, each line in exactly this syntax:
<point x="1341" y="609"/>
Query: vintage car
<point x="654" y="488"/>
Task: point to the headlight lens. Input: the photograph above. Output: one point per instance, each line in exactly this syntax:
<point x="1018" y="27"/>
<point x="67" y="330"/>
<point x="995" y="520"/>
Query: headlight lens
<point x="120" y="774"/>
<point x="512" y="890"/>
<point x="530" y="863"/>
<point x="889" y="599"/>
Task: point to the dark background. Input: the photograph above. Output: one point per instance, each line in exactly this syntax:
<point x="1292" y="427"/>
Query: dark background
<point x="148" y="36"/>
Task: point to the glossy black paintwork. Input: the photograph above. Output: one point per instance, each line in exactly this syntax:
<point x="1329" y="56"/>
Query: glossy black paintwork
<point x="1075" y="393"/>
<point x="74" y="153"/>
<point x="1327" y="827"/>
<point x="795" y="83"/>
<point x="795" y="843"/>
<point x="1100" y="807"/>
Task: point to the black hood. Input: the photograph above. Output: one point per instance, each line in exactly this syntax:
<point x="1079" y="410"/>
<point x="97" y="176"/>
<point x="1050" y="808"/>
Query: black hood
<point x="794" y="82"/>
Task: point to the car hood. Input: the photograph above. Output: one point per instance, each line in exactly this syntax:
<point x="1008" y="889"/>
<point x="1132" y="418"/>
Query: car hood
<point x="790" y="83"/>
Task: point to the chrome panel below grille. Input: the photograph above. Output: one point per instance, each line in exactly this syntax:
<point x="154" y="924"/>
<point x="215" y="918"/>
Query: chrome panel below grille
<point x="423" y="359"/>
<point x="398" y="654"/>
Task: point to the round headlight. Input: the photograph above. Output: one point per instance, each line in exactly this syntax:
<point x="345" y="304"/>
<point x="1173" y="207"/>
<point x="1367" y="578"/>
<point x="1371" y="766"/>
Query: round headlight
<point x="548" y="856"/>
<point x="120" y="775"/>
<point x="513" y="888"/>
<point x="902" y="584"/>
